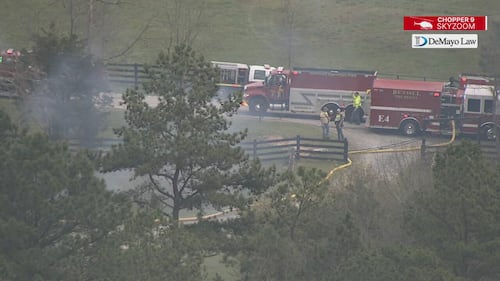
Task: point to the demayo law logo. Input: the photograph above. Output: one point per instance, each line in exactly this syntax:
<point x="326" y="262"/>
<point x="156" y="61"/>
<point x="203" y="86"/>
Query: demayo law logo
<point x="444" y="41"/>
<point x="420" y="41"/>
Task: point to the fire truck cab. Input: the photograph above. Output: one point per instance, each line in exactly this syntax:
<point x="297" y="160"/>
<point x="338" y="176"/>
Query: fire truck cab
<point x="8" y="61"/>
<point x="9" y="56"/>
<point x="474" y="102"/>
<point x="8" y="64"/>
<point x="234" y="76"/>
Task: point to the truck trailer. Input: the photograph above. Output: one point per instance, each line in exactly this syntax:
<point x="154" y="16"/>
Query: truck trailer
<point x="309" y="90"/>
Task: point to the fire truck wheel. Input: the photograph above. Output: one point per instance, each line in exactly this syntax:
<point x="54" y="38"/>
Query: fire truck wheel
<point x="258" y="105"/>
<point x="488" y="133"/>
<point x="409" y="128"/>
<point x="331" y="108"/>
<point x="348" y="114"/>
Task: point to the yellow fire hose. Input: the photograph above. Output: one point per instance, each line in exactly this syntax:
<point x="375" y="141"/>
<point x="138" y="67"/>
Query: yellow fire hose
<point x="349" y="161"/>
<point x="332" y="171"/>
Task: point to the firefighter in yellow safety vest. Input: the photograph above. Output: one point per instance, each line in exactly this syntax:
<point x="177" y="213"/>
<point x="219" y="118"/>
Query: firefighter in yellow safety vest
<point x="356" y="113"/>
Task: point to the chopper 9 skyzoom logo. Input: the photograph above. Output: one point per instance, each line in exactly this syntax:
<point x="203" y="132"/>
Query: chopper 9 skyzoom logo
<point x="445" y="23"/>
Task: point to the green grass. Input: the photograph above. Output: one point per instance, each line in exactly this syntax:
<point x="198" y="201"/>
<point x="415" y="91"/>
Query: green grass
<point x="272" y="128"/>
<point x="356" y="34"/>
<point x="12" y="108"/>
<point x="9" y="106"/>
<point x="257" y="129"/>
<point x="215" y="266"/>
<point x="114" y="119"/>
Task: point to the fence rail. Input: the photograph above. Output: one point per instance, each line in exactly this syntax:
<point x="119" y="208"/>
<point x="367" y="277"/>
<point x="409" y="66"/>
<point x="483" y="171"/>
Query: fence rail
<point x="299" y="147"/>
<point x="265" y="150"/>
<point x="133" y="74"/>
<point x="488" y="150"/>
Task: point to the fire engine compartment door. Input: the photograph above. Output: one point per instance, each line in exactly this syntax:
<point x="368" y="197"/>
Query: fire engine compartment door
<point x="311" y="100"/>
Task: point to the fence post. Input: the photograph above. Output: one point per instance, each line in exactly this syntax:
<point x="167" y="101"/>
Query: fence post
<point x="136" y="76"/>
<point x="298" y="148"/>
<point x="422" y="149"/>
<point x="254" y="149"/>
<point x="346" y="150"/>
<point x="478" y="135"/>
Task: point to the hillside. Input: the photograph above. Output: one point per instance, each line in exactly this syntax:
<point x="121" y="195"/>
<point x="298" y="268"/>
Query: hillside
<point x="354" y="34"/>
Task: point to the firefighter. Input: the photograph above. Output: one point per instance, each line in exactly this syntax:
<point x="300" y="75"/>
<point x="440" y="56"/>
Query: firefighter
<point x="324" y="118"/>
<point x="356" y="113"/>
<point x="280" y="92"/>
<point x="339" y="123"/>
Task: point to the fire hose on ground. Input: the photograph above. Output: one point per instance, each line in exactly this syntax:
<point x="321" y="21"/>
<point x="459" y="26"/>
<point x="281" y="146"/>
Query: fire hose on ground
<point x="335" y="169"/>
<point x="388" y="150"/>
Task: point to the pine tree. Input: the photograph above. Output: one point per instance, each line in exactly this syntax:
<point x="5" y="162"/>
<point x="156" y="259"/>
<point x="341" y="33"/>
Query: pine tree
<point x="182" y="146"/>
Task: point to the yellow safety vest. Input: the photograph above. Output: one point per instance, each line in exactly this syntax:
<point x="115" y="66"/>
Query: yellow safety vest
<point x="338" y="117"/>
<point x="356" y="100"/>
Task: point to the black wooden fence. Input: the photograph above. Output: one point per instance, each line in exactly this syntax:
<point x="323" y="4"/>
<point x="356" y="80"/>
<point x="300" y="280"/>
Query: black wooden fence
<point x="124" y="74"/>
<point x="268" y="150"/>
<point x="489" y="150"/>
<point x="103" y="144"/>
<point x="299" y="148"/>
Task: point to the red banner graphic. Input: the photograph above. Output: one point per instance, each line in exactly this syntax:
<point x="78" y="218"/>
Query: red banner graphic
<point x="461" y="23"/>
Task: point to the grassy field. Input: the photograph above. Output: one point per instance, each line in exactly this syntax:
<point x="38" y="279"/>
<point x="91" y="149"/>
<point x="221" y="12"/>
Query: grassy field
<point x="274" y="128"/>
<point x="354" y="34"/>
<point x="257" y="129"/>
<point x="10" y="108"/>
<point x="215" y="266"/>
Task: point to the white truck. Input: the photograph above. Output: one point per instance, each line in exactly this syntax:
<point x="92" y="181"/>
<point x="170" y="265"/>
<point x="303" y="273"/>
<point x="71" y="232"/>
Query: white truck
<point x="234" y="76"/>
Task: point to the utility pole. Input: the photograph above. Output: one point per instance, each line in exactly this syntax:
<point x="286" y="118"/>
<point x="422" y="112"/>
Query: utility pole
<point x="495" y="121"/>
<point x="90" y="24"/>
<point x="495" y="102"/>
<point x="289" y="25"/>
<point x="496" y="89"/>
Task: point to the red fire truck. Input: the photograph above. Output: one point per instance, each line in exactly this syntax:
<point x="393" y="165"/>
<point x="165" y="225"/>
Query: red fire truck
<point x="404" y="104"/>
<point x="308" y="90"/>
<point x="416" y="106"/>
<point x="471" y="102"/>
<point x="8" y="64"/>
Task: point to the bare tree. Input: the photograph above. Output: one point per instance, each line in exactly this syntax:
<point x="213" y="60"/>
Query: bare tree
<point x="289" y="16"/>
<point x="184" y="19"/>
<point x="90" y="16"/>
